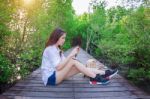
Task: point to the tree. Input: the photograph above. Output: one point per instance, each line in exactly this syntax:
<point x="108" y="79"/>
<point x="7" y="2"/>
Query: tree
<point x="5" y="17"/>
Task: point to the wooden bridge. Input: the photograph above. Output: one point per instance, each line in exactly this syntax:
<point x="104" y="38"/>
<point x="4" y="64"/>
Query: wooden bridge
<point x="76" y="87"/>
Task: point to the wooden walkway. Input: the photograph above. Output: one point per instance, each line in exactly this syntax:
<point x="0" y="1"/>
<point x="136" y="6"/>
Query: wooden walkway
<point x="76" y="87"/>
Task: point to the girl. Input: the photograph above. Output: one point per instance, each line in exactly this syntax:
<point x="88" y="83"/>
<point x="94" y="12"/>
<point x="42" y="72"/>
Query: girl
<point x="56" y="67"/>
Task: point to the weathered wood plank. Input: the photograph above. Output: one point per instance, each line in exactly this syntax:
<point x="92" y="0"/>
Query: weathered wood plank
<point x="120" y="97"/>
<point x="76" y="89"/>
<point x="42" y="85"/>
<point x="25" y="97"/>
<point x="70" y="81"/>
<point x="41" y="89"/>
<point x="101" y="94"/>
<point x="40" y="94"/>
<point x="75" y="85"/>
<point x="81" y="79"/>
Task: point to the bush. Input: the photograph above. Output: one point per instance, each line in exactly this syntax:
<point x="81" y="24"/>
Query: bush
<point x="29" y="60"/>
<point x="139" y="75"/>
<point x="6" y="69"/>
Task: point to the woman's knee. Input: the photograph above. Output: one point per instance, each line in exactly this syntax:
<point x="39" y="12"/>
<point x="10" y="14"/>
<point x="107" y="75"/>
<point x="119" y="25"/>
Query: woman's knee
<point x="74" y="68"/>
<point x="72" y="62"/>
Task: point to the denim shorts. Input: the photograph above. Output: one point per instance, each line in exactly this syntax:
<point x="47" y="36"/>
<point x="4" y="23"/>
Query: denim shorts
<point x="52" y="79"/>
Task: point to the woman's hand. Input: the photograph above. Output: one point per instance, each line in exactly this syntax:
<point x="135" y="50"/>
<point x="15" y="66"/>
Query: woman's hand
<point x="74" y="52"/>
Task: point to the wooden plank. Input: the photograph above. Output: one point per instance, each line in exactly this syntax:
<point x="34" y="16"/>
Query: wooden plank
<point x="82" y="80"/>
<point x="70" y="82"/>
<point x="72" y="85"/>
<point x="65" y="82"/>
<point x="112" y="97"/>
<point x="25" y="97"/>
<point x="101" y="94"/>
<point x="76" y="89"/>
<point x="75" y="84"/>
<point x="40" y="94"/>
<point x="42" y="85"/>
<point x="82" y="85"/>
<point x="41" y="89"/>
<point x="106" y="89"/>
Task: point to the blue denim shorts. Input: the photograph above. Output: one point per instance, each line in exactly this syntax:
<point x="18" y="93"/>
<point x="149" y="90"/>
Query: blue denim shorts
<point x="52" y="79"/>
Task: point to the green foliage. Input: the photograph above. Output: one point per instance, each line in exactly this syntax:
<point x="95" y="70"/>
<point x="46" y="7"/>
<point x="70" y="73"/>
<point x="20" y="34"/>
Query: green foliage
<point x="97" y="22"/>
<point x="5" y="12"/>
<point x="21" y="45"/>
<point x="138" y="28"/>
<point x="98" y="52"/>
<point x="80" y="28"/>
<point x="137" y="75"/>
<point x="31" y="57"/>
<point x="116" y="14"/>
<point x="6" y="69"/>
<point x="115" y="43"/>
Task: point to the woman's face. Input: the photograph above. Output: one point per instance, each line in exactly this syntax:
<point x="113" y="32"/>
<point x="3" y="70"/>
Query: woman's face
<point x="61" y="40"/>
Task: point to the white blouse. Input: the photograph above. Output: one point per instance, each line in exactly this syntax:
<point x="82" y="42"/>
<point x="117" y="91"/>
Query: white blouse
<point x="50" y="60"/>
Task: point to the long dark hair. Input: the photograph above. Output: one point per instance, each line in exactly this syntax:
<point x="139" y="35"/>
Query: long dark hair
<point x="54" y="37"/>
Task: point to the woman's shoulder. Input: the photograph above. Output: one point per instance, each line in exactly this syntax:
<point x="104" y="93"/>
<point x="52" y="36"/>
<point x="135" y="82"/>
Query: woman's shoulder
<point x="48" y="49"/>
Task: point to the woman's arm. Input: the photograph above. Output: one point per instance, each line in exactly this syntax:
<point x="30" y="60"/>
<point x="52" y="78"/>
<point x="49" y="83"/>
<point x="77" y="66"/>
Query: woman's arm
<point x="63" y="63"/>
<point x="66" y="60"/>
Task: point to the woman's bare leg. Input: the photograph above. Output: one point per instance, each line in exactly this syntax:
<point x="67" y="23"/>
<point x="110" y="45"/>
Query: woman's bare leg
<point x="75" y="71"/>
<point x="72" y="72"/>
<point x="97" y="71"/>
<point x="60" y="75"/>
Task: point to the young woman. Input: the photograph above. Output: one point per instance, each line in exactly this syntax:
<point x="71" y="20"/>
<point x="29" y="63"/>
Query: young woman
<point x="56" y="67"/>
